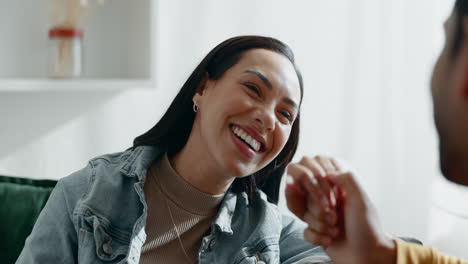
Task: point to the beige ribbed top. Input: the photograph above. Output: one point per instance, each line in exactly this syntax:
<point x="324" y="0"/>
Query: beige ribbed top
<point x="193" y="211"/>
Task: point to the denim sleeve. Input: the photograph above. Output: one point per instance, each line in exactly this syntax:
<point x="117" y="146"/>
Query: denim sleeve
<point x="54" y="237"/>
<point x="293" y="247"/>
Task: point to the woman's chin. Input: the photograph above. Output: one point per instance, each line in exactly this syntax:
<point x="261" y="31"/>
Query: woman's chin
<point x="240" y="170"/>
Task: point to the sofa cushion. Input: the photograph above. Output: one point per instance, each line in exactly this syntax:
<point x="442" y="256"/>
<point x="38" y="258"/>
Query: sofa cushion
<point x="21" y="201"/>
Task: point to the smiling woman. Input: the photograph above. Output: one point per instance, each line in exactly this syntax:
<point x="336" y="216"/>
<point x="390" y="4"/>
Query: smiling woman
<point x="251" y="74"/>
<point x="200" y="186"/>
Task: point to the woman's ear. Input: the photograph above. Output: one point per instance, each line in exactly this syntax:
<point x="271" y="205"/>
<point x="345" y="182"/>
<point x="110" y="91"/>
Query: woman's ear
<point x="200" y="89"/>
<point x="202" y="84"/>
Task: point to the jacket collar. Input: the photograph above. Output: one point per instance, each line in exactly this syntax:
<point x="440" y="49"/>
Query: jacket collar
<point x="137" y="161"/>
<point x="223" y="221"/>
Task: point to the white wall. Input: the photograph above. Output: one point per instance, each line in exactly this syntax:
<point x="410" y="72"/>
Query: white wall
<point x="366" y="66"/>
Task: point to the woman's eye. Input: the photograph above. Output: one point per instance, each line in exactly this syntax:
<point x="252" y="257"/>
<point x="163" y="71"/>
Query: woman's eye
<point x="253" y="88"/>
<point x="287" y="115"/>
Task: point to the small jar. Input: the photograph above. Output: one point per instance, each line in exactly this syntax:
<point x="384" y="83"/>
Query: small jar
<point x="65" y="52"/>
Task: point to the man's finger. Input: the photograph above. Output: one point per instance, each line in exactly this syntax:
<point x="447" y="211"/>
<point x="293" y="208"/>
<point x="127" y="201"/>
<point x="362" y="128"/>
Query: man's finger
<point x="337" y="164"/>
<point x="349" y="185"/>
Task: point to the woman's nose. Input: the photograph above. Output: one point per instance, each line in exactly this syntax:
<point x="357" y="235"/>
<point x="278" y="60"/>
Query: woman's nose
<point x="266" y="118"/>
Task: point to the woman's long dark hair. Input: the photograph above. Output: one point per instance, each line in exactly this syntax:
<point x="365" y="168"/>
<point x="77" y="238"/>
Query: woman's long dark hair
<point x="174" y="128"/>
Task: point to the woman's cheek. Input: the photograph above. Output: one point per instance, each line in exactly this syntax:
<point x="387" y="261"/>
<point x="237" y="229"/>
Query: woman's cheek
<point x="244" y="103"/>
<point x="284" y="136"/>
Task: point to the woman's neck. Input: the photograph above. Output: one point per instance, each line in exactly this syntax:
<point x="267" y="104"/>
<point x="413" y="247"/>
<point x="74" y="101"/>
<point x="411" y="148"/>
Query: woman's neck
<point x="194" y="164"/>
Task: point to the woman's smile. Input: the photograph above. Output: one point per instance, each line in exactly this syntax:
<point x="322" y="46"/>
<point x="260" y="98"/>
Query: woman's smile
<point x="247" y="140"/>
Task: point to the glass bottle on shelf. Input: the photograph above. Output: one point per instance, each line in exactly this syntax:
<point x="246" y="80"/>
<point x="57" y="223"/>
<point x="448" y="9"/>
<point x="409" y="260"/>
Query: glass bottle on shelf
<point x="65" y="54"/>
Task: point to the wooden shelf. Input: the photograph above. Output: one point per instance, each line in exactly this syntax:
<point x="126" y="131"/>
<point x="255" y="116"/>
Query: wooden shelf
<point x="119" y="47"/>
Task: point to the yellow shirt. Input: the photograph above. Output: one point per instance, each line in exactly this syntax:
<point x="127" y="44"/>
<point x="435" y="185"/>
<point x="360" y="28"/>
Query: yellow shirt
<point x="409" y="253"/>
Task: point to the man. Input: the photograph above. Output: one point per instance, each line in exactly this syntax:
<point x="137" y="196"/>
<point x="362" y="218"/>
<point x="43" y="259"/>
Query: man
<point x="359" y="238"/>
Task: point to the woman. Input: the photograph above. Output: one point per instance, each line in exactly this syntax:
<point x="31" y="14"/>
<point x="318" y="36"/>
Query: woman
<point x="189" y="189"/>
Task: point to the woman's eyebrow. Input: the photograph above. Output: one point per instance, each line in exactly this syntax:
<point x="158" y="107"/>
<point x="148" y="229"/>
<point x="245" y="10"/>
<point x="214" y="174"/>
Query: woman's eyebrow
<point x="270" y="86"/>
<point x="262" y="77"/>
<point x="290" y="102"/>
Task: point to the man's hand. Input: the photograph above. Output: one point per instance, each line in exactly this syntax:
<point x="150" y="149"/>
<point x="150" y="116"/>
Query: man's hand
<point x="362" y="239"/>
<point x="339" y="215"/>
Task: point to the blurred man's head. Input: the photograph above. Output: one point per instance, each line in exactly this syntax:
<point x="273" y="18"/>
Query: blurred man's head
<point x="450" y="96"/>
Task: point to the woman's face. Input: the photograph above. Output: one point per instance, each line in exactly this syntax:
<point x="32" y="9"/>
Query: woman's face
<point x="245" y="117"/>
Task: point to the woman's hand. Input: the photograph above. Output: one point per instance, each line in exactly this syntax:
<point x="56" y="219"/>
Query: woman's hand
<point x="311" y="196"/>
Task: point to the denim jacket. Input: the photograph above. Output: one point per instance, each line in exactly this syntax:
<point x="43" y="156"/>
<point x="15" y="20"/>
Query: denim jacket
<point x="98" y="215"/>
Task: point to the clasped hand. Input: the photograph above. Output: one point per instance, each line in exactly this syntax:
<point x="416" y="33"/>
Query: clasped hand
<point x="339" y="215"/>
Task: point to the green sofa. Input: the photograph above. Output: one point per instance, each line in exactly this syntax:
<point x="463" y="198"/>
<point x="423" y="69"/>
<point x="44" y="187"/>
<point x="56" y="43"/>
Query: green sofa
<point x="21" y="201"/>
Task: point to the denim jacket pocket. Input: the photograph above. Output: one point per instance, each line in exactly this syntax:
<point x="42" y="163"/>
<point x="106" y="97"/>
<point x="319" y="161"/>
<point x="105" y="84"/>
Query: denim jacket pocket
<point x="265" y="251"/>
<point x="99" y="242"/>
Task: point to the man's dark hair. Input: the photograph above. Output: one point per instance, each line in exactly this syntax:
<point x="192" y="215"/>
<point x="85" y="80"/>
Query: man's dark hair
<point x="461" y="10"/>
<point x="173" y="130"/>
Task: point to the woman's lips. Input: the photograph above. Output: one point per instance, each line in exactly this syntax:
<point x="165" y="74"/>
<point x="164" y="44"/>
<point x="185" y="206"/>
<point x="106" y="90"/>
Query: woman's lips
<point x="242" y="146"/>
<point x="254" y="135"/>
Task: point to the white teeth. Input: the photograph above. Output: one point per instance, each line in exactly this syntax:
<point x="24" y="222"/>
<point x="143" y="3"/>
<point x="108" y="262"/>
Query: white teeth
<point x="242" y="134"/>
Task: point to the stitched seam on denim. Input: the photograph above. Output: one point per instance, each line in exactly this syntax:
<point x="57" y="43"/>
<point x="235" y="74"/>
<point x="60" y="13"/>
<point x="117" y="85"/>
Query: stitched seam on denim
<point x="121" y="236"/>
<point x="291" y="229"/>
<point x="119" y="156"/>
<point x="129" y="163"/>
<point x="139" y="222"/>
<point x="80" y="208"/>
<point x="249" y="251"/>
<point x="104" y="159"/>
<point x="89" y="181"/>
<point x="264" y="243"/>
<point x="274" y="209"/>
<point x="68" y="209"/>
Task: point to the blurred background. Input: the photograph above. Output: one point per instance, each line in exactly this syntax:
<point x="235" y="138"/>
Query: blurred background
<point x="366" y="66"/>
